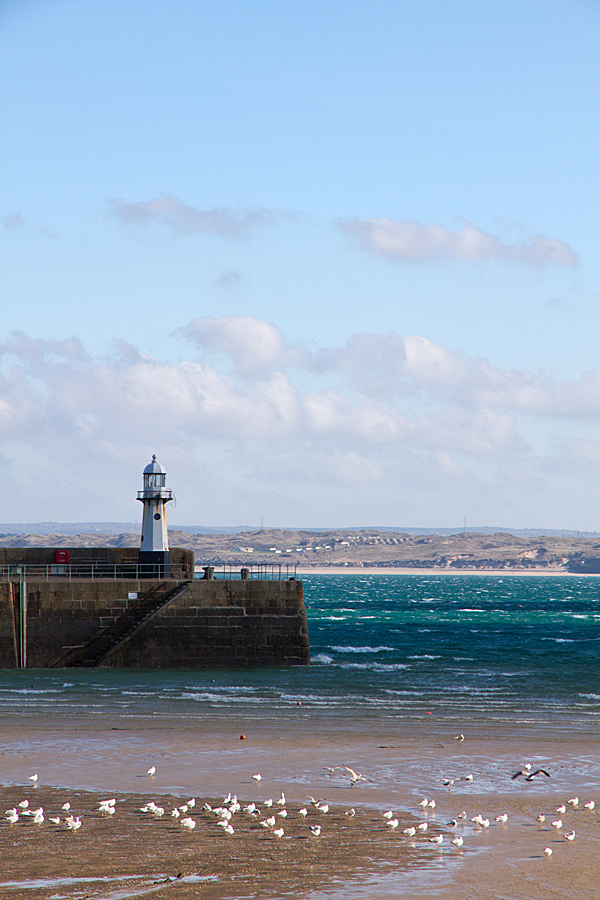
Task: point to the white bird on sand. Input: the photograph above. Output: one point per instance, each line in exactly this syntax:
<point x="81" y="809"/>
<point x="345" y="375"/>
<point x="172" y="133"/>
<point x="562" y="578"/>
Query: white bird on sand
<point x="24" y="804"/>
<point x="422" y="827"/>
<point x="469" y="777"/>
<point x="257" y="777"/>
<point x="283" y="813"/>
<point x="191" y="803"/>
<point x="323" y="807"/>
<point x="175" y="813"/>
<point x="55" y="820"/>
<point x="350" y="812"/>
<point x="589" y="805"/>
<point x="548" y="851"/>
<point x="188" y="823"/>
<point x="66" y="806"/>
<point x="207" y="807"/>
<point x="33" y="778"/>
<point x="570" y="835"/>
<point x="73" y="824"/>
<point x="228" y="829"/>
<point x="281" y="801"/>
<point x="279" y="832"/>
<point x="316" y="830"/>
<point x="392" y="823"/>
<point x="503" y="819"/>
<point x="38" y="819"/>
<point x="223" y="823"/>
<point x="410" y="831"/>
<point x="251" y="808"/>
<point x="263" y="823"/>
<point x="151" y="771"/>
<point x="541" y="818"/>
<point x="431" y="804"/>
<point x="268" y="803"/>
<point x="574" y="801"/>
<point x="561" y="809"/>
<point x="184" y="808"/>
<point x="462" y="815"/>
<point x="158" y="811"/>
<point x="10" y="812"/>
<point x="459" y="737"/>
<point x="12" y="817"/>
<point x="388" y="815"/>
<point x="424" y="802"/>
<point x="457" y="841"/>
<point x="270" y="821"/>
<point x="303" y="812"/>
<point x="557" y="824"/>
<point x="438" y="839"/>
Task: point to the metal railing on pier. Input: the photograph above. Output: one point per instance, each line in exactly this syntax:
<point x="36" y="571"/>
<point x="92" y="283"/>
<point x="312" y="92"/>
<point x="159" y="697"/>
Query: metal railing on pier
<point x="257" y="572"/>
<point x="94" y="572"/>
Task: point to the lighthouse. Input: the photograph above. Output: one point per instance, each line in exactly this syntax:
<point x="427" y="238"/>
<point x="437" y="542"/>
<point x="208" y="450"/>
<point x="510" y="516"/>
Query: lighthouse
<point x="154" y="551"/>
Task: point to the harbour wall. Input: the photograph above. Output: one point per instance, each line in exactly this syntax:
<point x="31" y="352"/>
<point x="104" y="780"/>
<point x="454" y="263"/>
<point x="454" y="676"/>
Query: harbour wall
<point x="215" y="623"/>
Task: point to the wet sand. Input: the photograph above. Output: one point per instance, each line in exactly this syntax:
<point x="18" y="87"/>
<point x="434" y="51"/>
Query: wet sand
<point x="358" y="857"/>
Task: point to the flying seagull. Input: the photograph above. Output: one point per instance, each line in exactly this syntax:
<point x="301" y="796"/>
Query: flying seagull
<point x="355" y="776"/>
<point x="529" y="776"/>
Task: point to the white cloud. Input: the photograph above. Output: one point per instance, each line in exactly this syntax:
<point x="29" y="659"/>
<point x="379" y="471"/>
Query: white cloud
<point x="413" y="241"/>
<point x="221" y="221"/>
<point x="370" y="412"/>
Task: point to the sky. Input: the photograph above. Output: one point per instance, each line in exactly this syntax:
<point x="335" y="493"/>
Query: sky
<point x="335" y="263"/>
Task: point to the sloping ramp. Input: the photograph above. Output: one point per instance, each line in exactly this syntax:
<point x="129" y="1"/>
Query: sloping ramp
<point x="113" y="637"/>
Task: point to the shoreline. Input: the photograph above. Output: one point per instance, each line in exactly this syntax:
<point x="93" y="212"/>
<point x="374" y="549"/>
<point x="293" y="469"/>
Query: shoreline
<point x="355" y="857"/>
<point x="386" y="570"/>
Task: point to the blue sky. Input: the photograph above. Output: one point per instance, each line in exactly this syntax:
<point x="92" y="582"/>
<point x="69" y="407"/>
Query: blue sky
<point x="335" y="263"/>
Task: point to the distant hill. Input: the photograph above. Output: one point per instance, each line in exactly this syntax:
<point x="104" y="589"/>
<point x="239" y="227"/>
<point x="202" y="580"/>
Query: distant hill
<point x="368" y="548"/>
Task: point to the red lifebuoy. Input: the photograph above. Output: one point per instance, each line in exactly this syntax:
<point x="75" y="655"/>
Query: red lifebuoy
<point x="61" y="556"/>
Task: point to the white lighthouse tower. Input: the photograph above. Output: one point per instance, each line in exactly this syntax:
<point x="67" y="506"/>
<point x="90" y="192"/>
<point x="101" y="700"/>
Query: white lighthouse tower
<point x="154" y="551"/>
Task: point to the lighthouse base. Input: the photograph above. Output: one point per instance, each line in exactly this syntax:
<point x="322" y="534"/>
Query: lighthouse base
<point x="155" y="564"/>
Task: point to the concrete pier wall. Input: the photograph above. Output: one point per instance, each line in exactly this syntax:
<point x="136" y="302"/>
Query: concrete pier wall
<point x="214" y="624"/>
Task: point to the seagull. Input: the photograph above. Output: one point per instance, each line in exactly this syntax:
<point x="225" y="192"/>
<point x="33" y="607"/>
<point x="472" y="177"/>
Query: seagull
<point x="590" y="805"/>
<point x="323" y="807"/>
<point x="410" y="831"/>
<point x="448" y="782"/>
<point x="207" y="807"/>
<point x="452" y="823"/>
<point x="151" y="771"/>
<point x="184" y="808"/>
<point x="283" y="813"/>
<point x="270" y="821"/>
<point x="268" y="803"/>
<point x="12" y="817"/>
<point x="279" y="832"/>
<point x="188" y="823"/>
<point x="264" y="823"/>
<point x="303" y="812"/>
<point x="528" y="775"/>
<point x="10" y="812"/>
<point x="459" y="737"/>
<point x="541" y="818"/>
<point x="548" y="851"/>
<point x="388" y="815"/>
<point x="349" y="812"/>
<point x="458" y="841"/>
<point x="74" y="824"/>
<point x="191" y="803"/>
<point x="557" y="824"/>
<point x="316" y="830"/>
<point x="437" y="839"/>
<point x="392" y="823"/>
<point x="251" y="808"/>
<point x="66" y="806"/>
<point x="431" y="804"/>
<point x="355" y="776"/>
<point x="38" y="819"/>
<point x="561" y="809"/>
<point x="158" y="811"/>
<point x="54" y="820"/>
<point x="281" y="801"/>
<point x="503" y="819"/>
<point x="424" y="802"/>
<point x="175" y="813"/>
<point x="257" y="777"/>
<point x="33" y="778"/>
<point x="422" y="826"/>
<point x="574" y="801"/>
<point x="468" y="777"/>
<point x="570" y="835"/>
<point x="462" y="815"/>
<point x="228" y="829"/>
<point x="24" y="804"/>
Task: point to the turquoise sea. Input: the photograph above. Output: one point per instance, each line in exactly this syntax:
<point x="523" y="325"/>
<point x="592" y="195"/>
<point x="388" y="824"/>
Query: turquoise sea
<point x="452" y="650"/>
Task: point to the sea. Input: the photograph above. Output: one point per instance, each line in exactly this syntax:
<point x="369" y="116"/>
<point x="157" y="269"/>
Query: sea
<point x="454" y="651"/>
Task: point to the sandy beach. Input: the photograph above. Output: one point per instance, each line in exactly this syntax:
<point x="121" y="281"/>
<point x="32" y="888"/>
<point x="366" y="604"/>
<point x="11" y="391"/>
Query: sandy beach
<point x="84" y="762"/>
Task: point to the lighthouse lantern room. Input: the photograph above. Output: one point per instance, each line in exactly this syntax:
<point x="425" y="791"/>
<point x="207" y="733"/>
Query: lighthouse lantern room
<point x="154" y="551"/>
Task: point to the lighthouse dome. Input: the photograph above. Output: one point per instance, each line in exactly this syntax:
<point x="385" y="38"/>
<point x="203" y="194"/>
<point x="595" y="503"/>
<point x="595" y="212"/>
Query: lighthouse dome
<point x="154" y="468"/>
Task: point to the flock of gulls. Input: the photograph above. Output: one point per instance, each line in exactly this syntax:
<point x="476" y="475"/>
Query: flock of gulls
<point x="272" y="814"/>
